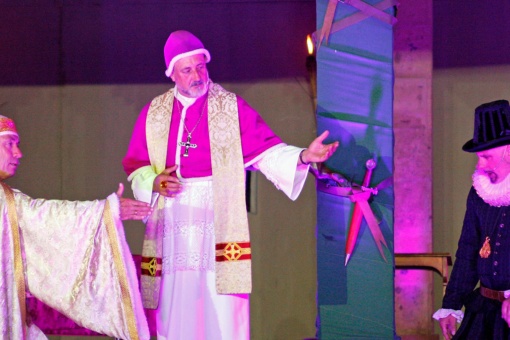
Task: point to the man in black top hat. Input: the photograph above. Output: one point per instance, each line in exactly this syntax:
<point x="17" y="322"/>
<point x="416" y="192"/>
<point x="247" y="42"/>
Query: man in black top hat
<point x="483" y="254"/>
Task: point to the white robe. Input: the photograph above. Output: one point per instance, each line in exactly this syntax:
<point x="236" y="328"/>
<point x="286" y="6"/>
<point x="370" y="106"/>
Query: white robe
<point x="75" y="260"/>
<point x="189" y="307"/>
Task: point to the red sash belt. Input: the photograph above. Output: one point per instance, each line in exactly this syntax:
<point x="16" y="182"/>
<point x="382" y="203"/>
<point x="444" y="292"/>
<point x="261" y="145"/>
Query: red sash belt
<point x="151" y="266"/>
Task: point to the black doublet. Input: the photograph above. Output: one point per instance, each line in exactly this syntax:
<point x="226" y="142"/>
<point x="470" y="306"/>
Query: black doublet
<point x="483" y="316"/>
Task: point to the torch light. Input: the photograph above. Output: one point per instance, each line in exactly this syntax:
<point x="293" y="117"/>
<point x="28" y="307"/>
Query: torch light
<point x="311" y="67"/>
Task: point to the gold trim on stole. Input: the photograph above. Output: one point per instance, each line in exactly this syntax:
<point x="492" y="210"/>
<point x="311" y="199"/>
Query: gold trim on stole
<point x="157" y="131"/>
<point x="19" y="276"/>
<point x="232" y="277"/>
<point x="121" y="270"/>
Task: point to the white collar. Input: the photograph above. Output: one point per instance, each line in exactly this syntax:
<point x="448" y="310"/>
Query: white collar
<point x="185" y="101"/>
<point x="496" y="195"/>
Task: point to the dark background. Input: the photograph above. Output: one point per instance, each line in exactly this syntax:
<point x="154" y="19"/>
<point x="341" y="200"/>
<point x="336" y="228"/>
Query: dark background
<point x="121" y="41"/>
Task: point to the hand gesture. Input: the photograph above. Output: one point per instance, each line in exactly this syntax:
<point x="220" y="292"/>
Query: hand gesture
<point x="317" y="151"/>
<point x="448" y="326"/>
<point x="167" y="183"/>
<point x="505" y="311"/>
<point x="131" y="209"/>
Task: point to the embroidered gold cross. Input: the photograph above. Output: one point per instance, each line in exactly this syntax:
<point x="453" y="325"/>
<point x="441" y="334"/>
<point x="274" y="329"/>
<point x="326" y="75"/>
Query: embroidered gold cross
<point x="232" y="251"/>
<point x="151" y="266"/>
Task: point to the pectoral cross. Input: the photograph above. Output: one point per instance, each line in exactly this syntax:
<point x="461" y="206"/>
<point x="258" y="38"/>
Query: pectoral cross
<point x="187" y="145"/>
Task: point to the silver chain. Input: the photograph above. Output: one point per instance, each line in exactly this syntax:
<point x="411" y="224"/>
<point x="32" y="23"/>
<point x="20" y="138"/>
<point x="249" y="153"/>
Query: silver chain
<point x="184" y="123"/>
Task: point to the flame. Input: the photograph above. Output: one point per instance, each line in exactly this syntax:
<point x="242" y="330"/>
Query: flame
<point x="309" y="44"/>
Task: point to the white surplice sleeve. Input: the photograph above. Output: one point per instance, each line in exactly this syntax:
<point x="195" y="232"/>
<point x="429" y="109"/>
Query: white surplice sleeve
<point x="279" y="165"/>
<point x="78" y="262"/>
<point x="142" y="180"/>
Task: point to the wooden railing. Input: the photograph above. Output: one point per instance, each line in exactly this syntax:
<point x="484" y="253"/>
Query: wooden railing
<point x="436" y="261"/>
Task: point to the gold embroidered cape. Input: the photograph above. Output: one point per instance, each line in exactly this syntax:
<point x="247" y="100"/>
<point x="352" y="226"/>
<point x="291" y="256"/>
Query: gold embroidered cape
<point x="73" y="257"/>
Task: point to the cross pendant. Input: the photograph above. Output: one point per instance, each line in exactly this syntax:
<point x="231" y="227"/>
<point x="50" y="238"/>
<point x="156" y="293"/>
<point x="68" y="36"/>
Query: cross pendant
<point x="187" y="145"/>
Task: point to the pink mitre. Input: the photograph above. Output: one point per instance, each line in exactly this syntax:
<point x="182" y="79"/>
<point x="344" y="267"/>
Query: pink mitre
<point x="7" y="126"/>
<point x="181" y="44"/>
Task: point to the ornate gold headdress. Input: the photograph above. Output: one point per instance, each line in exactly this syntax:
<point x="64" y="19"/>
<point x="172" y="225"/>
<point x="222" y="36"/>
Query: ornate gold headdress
<point x="7" y="126"/>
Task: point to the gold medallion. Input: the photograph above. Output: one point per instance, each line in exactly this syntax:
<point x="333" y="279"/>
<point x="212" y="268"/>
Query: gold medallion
<point x="485" y="251"/>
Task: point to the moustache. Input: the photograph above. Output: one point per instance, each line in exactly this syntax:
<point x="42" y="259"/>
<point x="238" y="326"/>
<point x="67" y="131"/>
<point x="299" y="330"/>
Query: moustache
<point x="197" y="83"/>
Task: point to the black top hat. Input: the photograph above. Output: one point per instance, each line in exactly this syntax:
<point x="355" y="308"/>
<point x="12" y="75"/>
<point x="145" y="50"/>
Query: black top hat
<point x="492" y="126"/>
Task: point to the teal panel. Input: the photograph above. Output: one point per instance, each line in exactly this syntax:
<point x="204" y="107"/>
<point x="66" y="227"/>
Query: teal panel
<point x="355" y="103"/>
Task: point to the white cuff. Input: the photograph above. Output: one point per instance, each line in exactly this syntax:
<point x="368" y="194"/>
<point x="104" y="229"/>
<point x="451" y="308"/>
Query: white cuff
<point x="142" y="180"/>
<point x="279" y="165"/>
<point x="443" y="313"/>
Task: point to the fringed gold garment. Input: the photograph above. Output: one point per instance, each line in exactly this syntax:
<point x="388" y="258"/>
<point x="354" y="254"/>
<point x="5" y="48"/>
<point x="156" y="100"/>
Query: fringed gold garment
<point x="158" y="127"/>
<point x="127" y="303"/>
<point x="230" y="218"/>
<point x="157" y="130"/>
<point x="19" y="276"/>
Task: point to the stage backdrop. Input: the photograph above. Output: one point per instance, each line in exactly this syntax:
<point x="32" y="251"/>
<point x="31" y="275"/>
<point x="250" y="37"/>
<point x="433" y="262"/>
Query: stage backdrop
<point x="355" y="94"/>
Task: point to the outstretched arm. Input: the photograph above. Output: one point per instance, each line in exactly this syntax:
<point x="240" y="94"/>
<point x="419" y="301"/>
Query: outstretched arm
<point x="318" y="152"/>
<point x="131" y="209"/>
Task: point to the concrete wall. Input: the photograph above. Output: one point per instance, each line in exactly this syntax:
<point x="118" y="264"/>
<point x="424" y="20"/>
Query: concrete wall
<point x="412" y="126"/>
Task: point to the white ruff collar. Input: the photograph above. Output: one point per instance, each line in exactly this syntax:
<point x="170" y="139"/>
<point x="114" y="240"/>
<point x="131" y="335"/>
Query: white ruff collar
<point x="496" y="195"/>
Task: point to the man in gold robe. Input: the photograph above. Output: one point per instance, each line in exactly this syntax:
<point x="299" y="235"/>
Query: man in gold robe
<point x="72" y="256"/>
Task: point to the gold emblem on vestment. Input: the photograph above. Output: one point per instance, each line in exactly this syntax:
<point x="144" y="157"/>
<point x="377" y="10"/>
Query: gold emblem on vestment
<point x="150" y="266"/>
